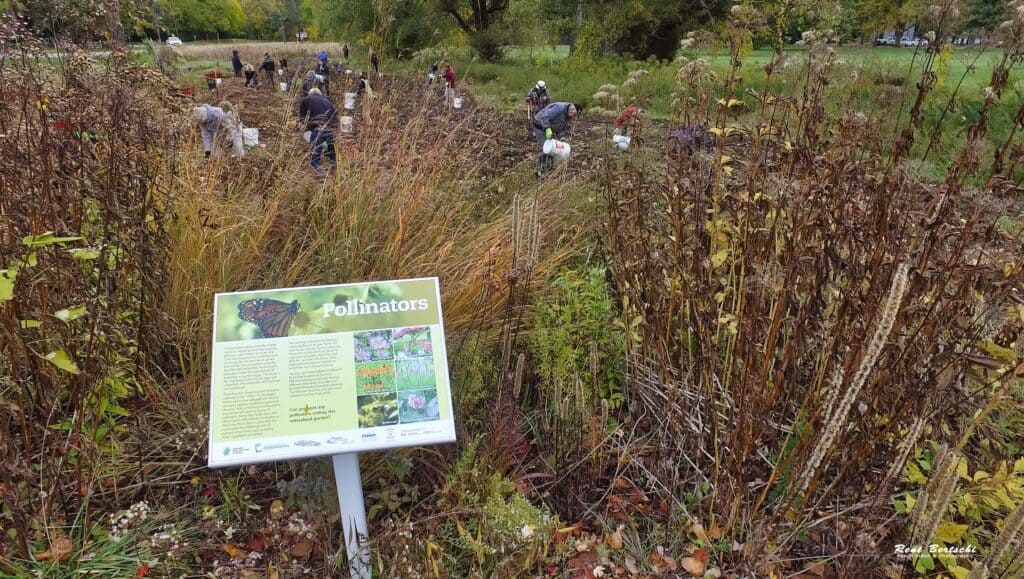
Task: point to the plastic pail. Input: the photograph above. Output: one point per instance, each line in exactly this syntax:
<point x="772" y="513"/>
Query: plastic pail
<point x="251" y="137"/>
<point x="217" y="81"/>
<point x="284" y="86"/>
<point x="556" y="148"/>
<point x="457" y="102"/>
<point x="350" y="100"/>
<point x="346" y="124"/>
<point x="280" y="72"/>
<point x="621" y="142"/>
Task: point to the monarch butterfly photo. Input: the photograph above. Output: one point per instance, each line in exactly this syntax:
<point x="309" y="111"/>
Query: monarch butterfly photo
<point x="272" y="317"/>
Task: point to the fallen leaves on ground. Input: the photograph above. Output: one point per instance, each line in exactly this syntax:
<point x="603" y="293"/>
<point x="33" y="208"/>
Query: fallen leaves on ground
<point x="59" y="551"/>
<point x="302" y="549"/>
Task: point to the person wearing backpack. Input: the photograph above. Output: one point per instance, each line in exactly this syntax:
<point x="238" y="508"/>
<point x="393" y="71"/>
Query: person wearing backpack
<point x="536" y="99"/>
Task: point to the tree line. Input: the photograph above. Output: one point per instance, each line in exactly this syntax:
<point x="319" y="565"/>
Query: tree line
<point x="638" y="28"/>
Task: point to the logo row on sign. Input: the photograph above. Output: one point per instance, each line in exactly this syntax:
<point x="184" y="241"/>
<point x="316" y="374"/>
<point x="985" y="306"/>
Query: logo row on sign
<point x="313" y="442"/>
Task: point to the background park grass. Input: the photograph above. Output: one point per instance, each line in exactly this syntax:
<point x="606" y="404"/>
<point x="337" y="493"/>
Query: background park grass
<point x="874" y="81"/>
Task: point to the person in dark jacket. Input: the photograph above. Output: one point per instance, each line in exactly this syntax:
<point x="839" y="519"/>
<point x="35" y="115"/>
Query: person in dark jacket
<point x="374" y="62"/>
<point x="318" y="115"/>
<point x="323" y="71"/>
<point x="536" y="99"/>
<point x="267" y="66"/>
<point x="550" y="122"/>
<point x="283" y="64"/>
<point x="432" y="74"/>
<point x="344" y="51"/>
<point x="236" y="63"/>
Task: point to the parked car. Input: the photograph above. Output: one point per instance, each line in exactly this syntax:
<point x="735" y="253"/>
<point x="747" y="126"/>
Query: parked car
<point x="885" y="41"/>
<point x="910" y="42"/>
<point x="173" y="41"/>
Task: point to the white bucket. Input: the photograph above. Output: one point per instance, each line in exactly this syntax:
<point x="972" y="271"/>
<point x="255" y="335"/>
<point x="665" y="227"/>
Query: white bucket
<point x="350" y="100"/>
<point x="432" y="76"/>
<point x="621" y="142"/>
<point x="218" y="81"/>
<point x="346" y="124"/>
<point x="348" y="71"/>
<point x="457" y="103"/>
<point x="556" y="148"/>
<point x="284" y="86"/>
<point x="251" y="137"/>
<point x="319" y="78"/>
<point x="280" y="72"/>
<point x="307" y="136"/>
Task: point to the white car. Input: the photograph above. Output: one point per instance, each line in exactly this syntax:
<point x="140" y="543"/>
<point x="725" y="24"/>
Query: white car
<point x="173" y="41"/>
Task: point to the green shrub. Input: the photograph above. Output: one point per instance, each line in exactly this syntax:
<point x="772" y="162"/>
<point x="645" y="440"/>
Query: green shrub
<point x="573" y="336"/>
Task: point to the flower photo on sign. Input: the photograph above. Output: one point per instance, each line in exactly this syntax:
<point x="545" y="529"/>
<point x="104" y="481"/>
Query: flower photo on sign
<point x="374" y="345"/>
<point x="418" y="406"/>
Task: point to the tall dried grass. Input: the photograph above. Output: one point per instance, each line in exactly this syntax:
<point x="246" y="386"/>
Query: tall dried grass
<point x="253" y="51"/>
<point x="805" y="307"/>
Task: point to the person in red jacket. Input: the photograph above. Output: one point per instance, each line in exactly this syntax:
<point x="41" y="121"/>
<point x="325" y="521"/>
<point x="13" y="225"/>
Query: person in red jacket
<point x="449" y="85"/>
<point x="627" y="119"/>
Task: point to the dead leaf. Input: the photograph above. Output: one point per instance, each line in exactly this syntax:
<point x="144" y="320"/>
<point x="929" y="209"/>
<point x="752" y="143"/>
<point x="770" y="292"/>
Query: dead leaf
<point x="59" y="551"/>
<point x="234" y="550"/>
<point x="623" y="484"/>
<point x="565" y="532"/>
<point x="582" y="565"/>
<point x="662" y="562"/>
<point x="142" y="571"/>
<point x="257" y="543"/>
<point x="816" y="568"/>
<point x="631" y="566"/>
<point x="276" y="509"/>
<point x="698" y="531"/>
<point x="615" y="540"/>
<point x="714" y="532"/>
<point x="302" y="549"/>
<point x="702" y="555"/>
<point x="693" y="566"/>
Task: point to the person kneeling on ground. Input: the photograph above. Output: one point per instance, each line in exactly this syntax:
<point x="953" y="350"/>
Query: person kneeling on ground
<point x="318" y="115"/>
<point x="250" y="76"/>
<point x="309" y="83"/>
<point x="550" y="122"/>
<point x="217" y="127"/>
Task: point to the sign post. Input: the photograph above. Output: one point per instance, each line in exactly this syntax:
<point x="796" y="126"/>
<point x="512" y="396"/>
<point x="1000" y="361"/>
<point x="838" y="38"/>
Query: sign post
<point x="353" y="513"/>
<point x="330" y="371"/>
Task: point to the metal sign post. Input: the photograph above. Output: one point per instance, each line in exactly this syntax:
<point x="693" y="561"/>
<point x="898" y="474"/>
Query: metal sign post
<point x="353" y="513"/>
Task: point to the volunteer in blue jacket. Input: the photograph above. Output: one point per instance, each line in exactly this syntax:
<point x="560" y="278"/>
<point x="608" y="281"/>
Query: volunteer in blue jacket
<point x="550" y="122"/>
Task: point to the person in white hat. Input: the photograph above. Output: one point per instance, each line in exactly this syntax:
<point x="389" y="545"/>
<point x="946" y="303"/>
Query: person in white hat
<point x="536" y="99"/>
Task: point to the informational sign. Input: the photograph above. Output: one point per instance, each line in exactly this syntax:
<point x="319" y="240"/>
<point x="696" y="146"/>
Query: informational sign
<point x="324" y="370"/>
